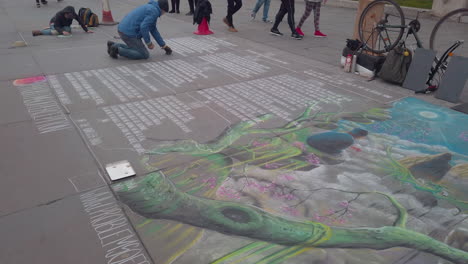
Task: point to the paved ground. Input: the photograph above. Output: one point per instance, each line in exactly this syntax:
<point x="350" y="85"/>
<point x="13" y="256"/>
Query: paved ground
<point x="262" y="150"/>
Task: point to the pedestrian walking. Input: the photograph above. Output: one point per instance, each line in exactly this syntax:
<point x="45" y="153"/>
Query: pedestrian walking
<point x="44" y="2"/>
<point x="287" y="7"/>
<point x="192" y="4"/>
<point x="312" y="5"/>
<point x="60" y="24"/>
<point x="175" y="6"/>
<point x="266" y="8"/>
<point x="232" y="8"/>
<point x="138" y="25"/>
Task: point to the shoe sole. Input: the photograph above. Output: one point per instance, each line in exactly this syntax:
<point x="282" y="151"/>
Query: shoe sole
<point x="320" y="36"/>
<point x="276" y="34"/>
<point x="109" y="48"/>
<point x="296" y="38"/>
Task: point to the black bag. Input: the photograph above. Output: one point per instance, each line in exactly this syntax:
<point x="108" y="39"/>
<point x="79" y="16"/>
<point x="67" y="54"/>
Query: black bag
<point x="88" y="17"/>
<point x="354" y="44"/>
<point x="396" y="65"/>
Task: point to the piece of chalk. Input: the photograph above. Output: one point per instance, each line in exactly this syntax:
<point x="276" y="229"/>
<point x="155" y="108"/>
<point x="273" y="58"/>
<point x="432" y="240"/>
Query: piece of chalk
<point x="19" y="43"/>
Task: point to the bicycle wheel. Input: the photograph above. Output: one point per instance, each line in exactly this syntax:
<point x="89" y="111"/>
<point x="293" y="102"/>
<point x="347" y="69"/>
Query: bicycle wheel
<point x="381" y="26"/>
<point x="451" y="28"/>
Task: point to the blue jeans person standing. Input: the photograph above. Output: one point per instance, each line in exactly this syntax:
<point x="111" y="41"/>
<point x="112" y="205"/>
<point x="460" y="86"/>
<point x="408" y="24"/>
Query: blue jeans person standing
<point x="266" y="8"/>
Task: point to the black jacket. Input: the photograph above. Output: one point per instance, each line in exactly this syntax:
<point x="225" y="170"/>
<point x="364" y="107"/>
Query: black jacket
<point x="60" y="21"/>
<point x="203" y="10"/>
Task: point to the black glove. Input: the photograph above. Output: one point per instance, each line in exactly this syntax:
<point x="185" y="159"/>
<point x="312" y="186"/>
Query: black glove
<point x="167" y="49"/>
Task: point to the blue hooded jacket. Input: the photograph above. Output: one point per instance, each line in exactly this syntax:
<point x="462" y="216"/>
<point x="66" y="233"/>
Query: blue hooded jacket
<point x="141" y="21"/>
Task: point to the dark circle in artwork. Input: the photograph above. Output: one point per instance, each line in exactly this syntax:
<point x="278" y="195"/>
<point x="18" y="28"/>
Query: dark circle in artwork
<point x="236" y="215"/>
<point x="330" y="142"/>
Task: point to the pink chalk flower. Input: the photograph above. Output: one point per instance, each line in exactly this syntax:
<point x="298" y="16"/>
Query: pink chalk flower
<point x="299" y="145"/>
<point x="312" y="159"/>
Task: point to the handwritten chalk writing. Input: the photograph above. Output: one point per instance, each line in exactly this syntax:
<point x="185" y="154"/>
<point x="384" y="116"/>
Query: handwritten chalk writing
<point x="342" y="81"/>
<point x="172" y="113"/>
<point x="190" y="45"/>
<point x="169" y="77"/>
<point x="126" y="127"/>
<point x="96" y="97"/>
<point x="79" y="89"/>
<point x="122" y="84"/>
<point x="139" y="75"/>
<point x="240" y="66"/>
<point x="43" y="108"/>
<point x="112" y="228"/>
<point x="55" y="84"/>
<point x="89" y="132"/>
<point x="100" y="76"/>
<point x="281" y="95"/>
<point x="175" y="72"/>
<point x="267" y="56"/>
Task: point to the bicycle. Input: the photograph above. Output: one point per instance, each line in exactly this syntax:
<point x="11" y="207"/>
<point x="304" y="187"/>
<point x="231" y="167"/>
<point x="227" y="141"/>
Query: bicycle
<point x="382" y="27"/>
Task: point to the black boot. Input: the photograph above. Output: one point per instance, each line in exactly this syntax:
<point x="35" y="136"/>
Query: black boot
<point x="36" y="32"/>
<point x="114" y="52"/>
<point x="44" y="2"/>
<point x="109" y="45"/>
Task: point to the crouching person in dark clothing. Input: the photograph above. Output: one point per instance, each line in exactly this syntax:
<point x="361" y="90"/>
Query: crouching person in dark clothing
<point x="61" y="22"/>
<point x="138" y="24"/>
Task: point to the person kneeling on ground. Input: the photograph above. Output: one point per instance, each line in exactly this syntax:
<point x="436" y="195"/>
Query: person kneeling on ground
<point x="61" y="22"/>
<point x="138" y="24"/>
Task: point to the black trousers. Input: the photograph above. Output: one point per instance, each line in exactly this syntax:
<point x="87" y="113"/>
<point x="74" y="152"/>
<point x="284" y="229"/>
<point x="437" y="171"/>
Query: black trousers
<point x="287" y="7"/>
<point x="232" y="8"/>
<point x="192" y="4"/>
<point x="175" y="5"/>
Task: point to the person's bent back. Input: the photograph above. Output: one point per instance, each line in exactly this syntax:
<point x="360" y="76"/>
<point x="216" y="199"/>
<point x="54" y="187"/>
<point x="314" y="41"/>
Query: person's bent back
<point x="136" y="27"/>
<point x="60" y="24"/>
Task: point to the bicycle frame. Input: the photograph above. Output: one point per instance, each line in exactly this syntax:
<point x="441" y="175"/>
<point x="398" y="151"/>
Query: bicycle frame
<point x="411" y="30"/>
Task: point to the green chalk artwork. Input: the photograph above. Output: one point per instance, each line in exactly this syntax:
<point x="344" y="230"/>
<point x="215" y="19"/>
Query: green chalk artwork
<point x="378" y="181"/>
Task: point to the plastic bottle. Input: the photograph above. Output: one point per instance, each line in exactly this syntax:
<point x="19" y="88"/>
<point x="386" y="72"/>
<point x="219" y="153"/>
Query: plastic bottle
<point x="347" y="66"/>
<point x="353" y="64"/>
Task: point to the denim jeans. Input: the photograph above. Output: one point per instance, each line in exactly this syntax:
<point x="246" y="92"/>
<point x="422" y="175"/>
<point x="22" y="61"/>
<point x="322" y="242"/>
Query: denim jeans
<point x="52" y="31"/>
<point x="266" y="8"/>
<point x="134" y="49"/>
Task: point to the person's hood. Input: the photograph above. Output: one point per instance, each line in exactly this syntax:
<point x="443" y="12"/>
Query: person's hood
<point x="69" y="9"/>
<point x="156" y="4"/>
<point x="152" y="2"/>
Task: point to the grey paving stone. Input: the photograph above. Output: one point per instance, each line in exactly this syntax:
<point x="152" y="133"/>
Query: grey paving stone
<point x="12" y="110"/>
<point x="92" y="223"/>
<point x="43" y="166"/>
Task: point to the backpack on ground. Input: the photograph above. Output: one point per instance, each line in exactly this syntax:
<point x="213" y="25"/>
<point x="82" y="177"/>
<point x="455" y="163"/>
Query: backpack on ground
<point x="88" y="17"/>
<point x="396" y="65"/>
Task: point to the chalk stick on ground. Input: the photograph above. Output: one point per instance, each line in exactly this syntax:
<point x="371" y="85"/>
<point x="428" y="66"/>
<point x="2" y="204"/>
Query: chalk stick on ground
<point x="19" y="43"/>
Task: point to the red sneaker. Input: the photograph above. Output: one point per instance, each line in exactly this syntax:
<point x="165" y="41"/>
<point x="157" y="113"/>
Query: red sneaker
<point x="319" y="34"/>
<point x="299" y="31"/>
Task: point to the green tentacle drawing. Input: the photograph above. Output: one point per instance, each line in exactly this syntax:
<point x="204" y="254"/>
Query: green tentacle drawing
<point x="176" y="197"/>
